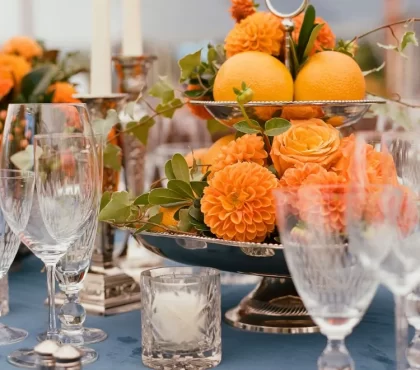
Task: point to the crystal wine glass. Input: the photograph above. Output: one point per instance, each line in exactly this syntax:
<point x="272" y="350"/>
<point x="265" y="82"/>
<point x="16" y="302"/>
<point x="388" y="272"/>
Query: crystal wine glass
<point x="12" y="185"/>
<point x="331" y="281"/>
<point x="391" y="247"/>
<point x="22" y="122"/>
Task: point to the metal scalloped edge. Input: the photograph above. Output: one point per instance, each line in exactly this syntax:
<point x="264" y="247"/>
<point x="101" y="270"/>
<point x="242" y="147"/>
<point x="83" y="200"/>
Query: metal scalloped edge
<point x="288" y="103"/>
<point x="215" y="241"/>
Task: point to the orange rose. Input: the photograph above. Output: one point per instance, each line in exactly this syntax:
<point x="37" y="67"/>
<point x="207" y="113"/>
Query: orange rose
<point x="343" y="165"/>
<point x="311" y="141"/>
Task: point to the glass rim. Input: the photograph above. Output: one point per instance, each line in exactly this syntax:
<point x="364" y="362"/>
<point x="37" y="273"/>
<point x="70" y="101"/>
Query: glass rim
<point x="412" y="135"/>
<point x="64" y="135"/>
<point x="19" y="173"/>
<point x="174" y="271"/>
<point x="81" y="105"/>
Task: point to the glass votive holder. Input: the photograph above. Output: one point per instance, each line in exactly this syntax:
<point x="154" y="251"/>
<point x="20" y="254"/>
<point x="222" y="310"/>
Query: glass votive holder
<point x="181" y="318"/>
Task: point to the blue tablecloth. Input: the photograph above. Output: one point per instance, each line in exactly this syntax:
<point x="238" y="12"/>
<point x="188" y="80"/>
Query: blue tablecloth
<point x="371" y="344"/>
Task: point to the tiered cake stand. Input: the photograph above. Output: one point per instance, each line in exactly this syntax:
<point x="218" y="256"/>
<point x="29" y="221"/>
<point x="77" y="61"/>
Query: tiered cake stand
<point x="273" y="306"/>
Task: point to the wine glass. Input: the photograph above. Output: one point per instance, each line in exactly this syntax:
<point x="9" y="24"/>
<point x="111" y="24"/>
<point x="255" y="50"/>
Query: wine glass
<point x="22" y="122"/>
<point x="391" y="248"/>
<point x="331" y="281"/>
<point x="71" y="271"/>
<point x="12" y="185"/>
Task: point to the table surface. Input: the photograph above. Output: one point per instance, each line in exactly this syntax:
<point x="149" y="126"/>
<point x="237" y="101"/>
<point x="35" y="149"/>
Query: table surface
<point x="371" y="344"/>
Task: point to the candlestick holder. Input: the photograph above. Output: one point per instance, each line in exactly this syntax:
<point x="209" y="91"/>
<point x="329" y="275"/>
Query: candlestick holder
<point x="107" y="289"/>
<point x="132" y="74"/>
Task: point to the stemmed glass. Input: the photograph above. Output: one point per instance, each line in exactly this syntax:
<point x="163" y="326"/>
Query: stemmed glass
<point x="67" y="195"/>
<point x="331" y="281"/>
<point x="391" y="246"/>
<point x="12" y="185"/>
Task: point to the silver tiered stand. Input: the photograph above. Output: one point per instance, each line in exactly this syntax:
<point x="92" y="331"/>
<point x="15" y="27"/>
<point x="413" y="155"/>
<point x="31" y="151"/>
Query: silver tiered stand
<point x="274" y="306"/>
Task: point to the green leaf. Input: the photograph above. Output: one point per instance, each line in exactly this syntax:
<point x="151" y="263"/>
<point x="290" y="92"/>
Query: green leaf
<point x="141" y="129"/>
<point x="188" y="64"/>
<point x="276" y="126"/>
<point x="169" y="172"/>
<point x="198" y="187"/>
<point x="142" y="200"/>
<point x="196" y="214"/>
<point x="118" y="209"/>
<point x="184" y="203"/>
<point x="182" y="188"/>
<point x="374" y="70"/>
<point x="106" y="198"/>
<point x="103" y="126"/>
<point x="408" y="38"/>
<point x="306" y="30"/>
<point x="163" y="196"/>
<point x="151" y="223"/>
<point x="212" y="55"/>
<point x="24" y="160"/>
<point x="163" y="90"/>
<point x="311" y="42"/>
<point x="295" y="60"/>
<point x="180" y="168"/>
<point x="112" y="157"/>
<point x="129" y="109"/>
<point x="184" y="221"/>
<point x="37" y="81"/>
<point x="168" y="110"/>
<point x="215" y="127"/>
<point x="195" y="93"/>
<point x="244" y="127"/>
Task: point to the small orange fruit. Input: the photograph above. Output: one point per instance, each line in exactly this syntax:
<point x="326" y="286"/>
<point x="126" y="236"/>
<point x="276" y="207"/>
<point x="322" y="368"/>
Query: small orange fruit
<point x="167" y="219"/>
<point x="330" y="75"/>
<point x="198" y="154"/>
<point x="213" y="152"/>
<point x="268" y="78"/>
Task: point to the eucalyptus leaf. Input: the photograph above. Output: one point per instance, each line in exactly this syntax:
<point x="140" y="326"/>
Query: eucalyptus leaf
<point x="163" y="196"/>
<point x="182" y="188"/>
<point x="112" y="157"/>
<point x="118" y="209"/>
<point x="311" y="42"/>
<point x="180" y="168"/>
<point x="169" y="172"/>
<point x="104" y="126"/>
<point x="276" y="126"/>
<point x="198" y="187"/>
<point x="163" y="90"/>
<point x="244" y="127"/>
<point x="188" y="64"/>
<point x="142" y="200"/>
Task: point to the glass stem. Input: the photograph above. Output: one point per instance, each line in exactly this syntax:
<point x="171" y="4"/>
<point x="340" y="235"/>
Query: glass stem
<point x="401" y="332"/>
<point x="52" y="323"/>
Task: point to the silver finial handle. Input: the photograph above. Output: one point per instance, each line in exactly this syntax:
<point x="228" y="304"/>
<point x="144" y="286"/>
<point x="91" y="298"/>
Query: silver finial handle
<point x="289" y="26"/>
<point x="301" y="9"/>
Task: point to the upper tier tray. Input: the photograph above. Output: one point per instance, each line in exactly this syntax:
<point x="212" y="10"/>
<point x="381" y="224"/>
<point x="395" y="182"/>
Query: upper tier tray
<point x="340" y="113"/>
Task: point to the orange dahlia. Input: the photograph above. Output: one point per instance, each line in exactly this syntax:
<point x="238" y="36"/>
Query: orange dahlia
<point x="241" y="9"/>
<point x="17" y="65"/>
<point x="248" y="148"/>
<point x="198" y="110"/>
<point x="63" y="92"/>
<point x="323" y="204"/>
<point x="343" y="165"/>
<point x="23" y="46"/>
<point x="6" y="81"/>
<point x="261" y="31"/>
<point x="238" y="204"/>
<point x="325" y="39"/>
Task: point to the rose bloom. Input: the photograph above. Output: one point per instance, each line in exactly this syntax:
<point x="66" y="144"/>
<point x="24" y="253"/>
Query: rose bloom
<point x="311" y="141"/>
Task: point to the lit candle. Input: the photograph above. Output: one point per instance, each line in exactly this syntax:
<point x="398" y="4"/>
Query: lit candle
<point x="132" y="36"/>
<point x="176" y="315"/>
<point x="100" y="64"/>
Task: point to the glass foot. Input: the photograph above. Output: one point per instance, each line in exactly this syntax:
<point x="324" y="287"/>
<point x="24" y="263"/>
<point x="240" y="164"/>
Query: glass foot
<point x="11" y="335"/>
<point x="88" y="336"/>
<point x="25" y="358"/>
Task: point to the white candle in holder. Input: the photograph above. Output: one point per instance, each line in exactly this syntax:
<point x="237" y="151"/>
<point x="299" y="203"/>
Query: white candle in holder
<point x="100" y="63"/>
<point x="132" y="35"/>
<point x="177" y="315"/>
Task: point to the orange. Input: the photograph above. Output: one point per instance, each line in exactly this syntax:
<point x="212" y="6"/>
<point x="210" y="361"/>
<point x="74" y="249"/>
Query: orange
<point x="167" y="219"/>
<point x="209" y="158"/>
<point x="198" y="154"/>
<point x="330" y="75"/>
<point x="268" y="78"/>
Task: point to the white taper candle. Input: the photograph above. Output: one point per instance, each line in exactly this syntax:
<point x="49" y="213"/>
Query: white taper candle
<point x="132" y="30"/>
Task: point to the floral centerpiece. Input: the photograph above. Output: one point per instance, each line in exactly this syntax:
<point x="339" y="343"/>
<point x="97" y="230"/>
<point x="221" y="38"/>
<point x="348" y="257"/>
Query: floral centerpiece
<point x="226" y="191"/>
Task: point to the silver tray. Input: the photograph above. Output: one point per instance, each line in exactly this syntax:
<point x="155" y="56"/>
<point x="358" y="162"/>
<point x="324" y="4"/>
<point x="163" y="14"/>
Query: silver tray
<point x="348" y="112"/>
<point x="273" y="306"/>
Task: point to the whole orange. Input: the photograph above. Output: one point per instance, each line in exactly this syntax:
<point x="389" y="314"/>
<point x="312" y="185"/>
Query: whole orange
<point x="268" y="78"/>
<point x="330" y="75"/>
<point x="198" y="154"/>
<point x="168" y="219"/>
<point x="209" y="158"/>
